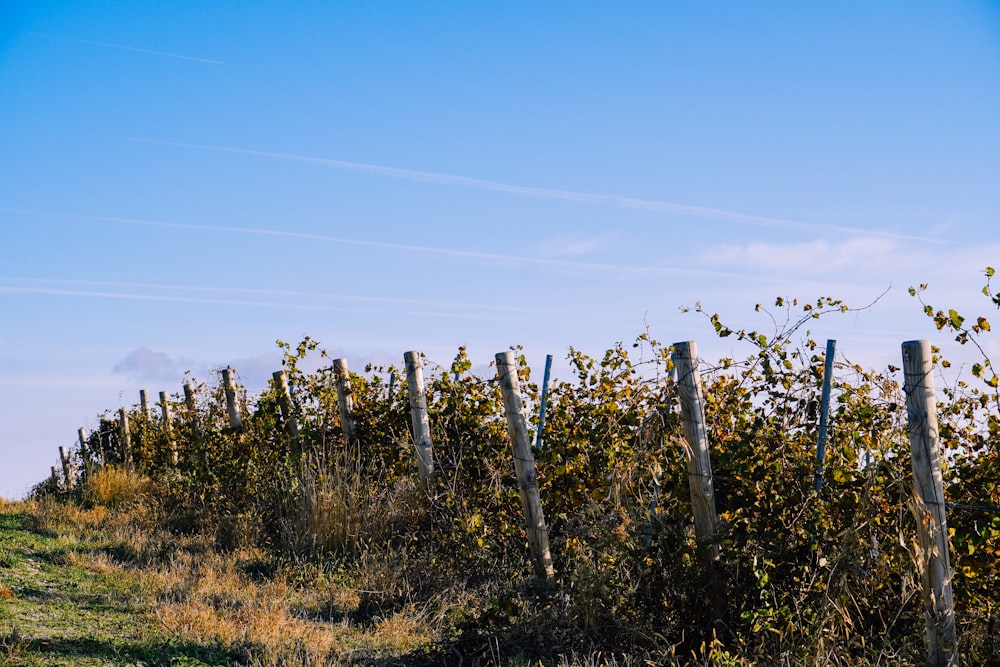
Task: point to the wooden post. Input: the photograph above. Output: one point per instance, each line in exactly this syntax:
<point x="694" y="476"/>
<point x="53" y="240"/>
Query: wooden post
<point x="144" y="405"/>
<point x="191" y="406"/>
<point x="345" y="401"/>
<point x="165" y="414"/>
<point x="824" y="413"/>
<point x="933" y="561"/>
<point x="285" y="403"/>
<point x="524" y="465"/>
<point x="418" y="414"/>
<point x="229" y="383"/>
<point x="126" y="437"/>
<point x="81" y="434"/>
<point x="67" y="475"/>
<point x="55" y="478"/>
<point x="145" y="423"/>
<point x="692" y="400"/>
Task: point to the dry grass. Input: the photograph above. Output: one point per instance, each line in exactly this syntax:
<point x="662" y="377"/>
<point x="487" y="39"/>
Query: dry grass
<point x="209" y="600"/>
<point x="115" y="487"/>
<point x="194" y="594"/>
<point x="338" y="509"/>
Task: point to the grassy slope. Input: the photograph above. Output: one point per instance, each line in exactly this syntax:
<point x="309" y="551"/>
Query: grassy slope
<point x="63" y="603"/>
<point x="84" y="587"/>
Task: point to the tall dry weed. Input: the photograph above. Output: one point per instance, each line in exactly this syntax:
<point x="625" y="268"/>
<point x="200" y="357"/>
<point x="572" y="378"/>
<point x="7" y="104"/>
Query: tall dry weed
<point x="115" y="487"/>
<point x="338" y="508"/>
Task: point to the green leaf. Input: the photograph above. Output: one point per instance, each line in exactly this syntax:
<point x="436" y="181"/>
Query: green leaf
<point x="983" y="324"/>
<point x="989" y="272"/>
<point x="956" y="319"/>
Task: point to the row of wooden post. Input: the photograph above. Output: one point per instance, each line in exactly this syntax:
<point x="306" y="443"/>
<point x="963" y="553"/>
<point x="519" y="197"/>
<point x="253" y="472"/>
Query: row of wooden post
<point x="929" y="507"/>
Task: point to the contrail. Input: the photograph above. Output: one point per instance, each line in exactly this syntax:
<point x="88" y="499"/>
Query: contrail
<point x="122" y="47"/>
<point x="651" y="205"/>
<point x="104" y="294"/>
<point x="47" y="282"/>
<point x="518" y="260"/>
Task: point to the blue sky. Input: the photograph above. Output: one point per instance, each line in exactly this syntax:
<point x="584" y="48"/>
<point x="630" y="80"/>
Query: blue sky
<point x="183" y="183"/>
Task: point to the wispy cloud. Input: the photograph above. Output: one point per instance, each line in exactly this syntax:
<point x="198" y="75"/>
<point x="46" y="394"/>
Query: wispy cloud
<point x="650" y="205"/>
<point x="289" y="301"/>
<point x="570" y="246"/>
<point x="123" y="47"/>
<point x="59" y="286"/>
<point x="804" y="258"/>
<point x="495" y="258"/>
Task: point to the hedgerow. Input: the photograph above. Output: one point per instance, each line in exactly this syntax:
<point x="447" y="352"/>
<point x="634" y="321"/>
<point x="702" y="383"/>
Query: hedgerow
<point x="805" y="576"/>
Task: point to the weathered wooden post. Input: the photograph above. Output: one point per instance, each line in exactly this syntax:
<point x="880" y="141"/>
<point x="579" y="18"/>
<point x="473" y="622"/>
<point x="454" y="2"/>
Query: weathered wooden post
<point x="824" y="413"/>
<point x="81" y="434"/>
<point x="126" y="436"/>
<point x="524" y="466"/>
<point x="145" y="422"/>
<point x="67" y="474"/>
<point x="144" y="405"/>
<point x="692" y="400"/>
<point x="345" y="401"/>
<point x="167" y="433"/>
<point x="933" y="561"/>
<point x="418" y="414"/>
<point x="285" y="403"/>
<point x="229" y="384"/>
<point x="191" y="407"/>
<point x="55" y="478"/>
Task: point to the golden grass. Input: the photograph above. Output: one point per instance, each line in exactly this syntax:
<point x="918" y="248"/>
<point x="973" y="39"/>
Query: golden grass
<point x="208" y="600"/>
<point x="115" y="487"/>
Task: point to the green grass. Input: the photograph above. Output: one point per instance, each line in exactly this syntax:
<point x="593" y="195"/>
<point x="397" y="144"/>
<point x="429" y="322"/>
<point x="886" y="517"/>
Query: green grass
<point x="57" y="609"/>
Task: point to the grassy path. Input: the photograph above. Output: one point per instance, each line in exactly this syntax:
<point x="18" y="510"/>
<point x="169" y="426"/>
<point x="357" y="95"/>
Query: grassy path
<point x="61" y="605"/>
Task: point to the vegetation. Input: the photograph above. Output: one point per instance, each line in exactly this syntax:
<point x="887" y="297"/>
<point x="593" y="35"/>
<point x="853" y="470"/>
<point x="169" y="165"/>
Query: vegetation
<point x="273" y="545"/>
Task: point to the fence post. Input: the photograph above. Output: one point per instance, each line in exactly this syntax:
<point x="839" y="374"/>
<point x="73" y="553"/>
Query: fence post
<point x="144" y="405"/>
<point x="418" y="414"/>
<point x="524" y="465"/>
<point x="55" y="478"/>
<point x="165" y="414"/>
<point x="691" y="396"/>
<point x="81" y="434"/>
<point x="191" y="407"/>
<point x="692" y="400"/>
<point x="285" y="403"/>
<point x="345" y="401"/>
<point x="541" y="405"/>
<point x="824" y="413"/>
<point x="229" y="383"/>
<point x="933" y="561"/>
<point x="126" y="436"/>
<point x="67" y="475"/>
